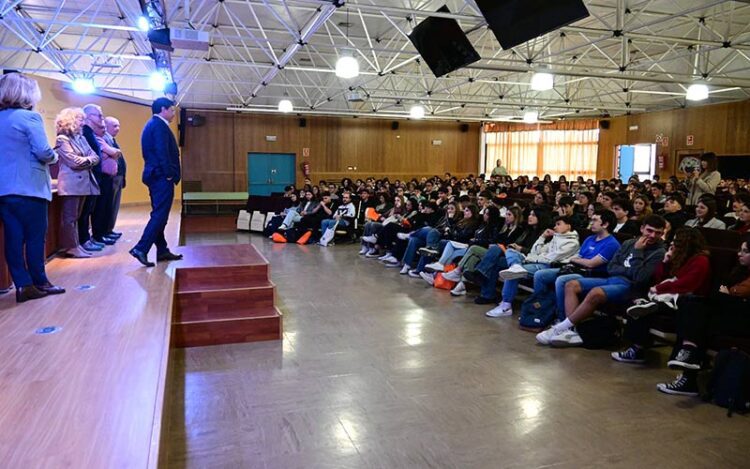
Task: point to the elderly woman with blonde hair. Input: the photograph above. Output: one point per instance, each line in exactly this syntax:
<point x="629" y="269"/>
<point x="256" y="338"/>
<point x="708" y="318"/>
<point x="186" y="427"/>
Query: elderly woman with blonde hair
<point x="25" y="186"/>
<point x="75" y="181"/>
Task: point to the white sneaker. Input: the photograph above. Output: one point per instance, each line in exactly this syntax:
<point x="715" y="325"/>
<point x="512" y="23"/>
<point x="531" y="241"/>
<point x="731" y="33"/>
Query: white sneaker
<point x="363" y="251"/>
<point x="413" y="274"/>
<point x="283" y="227"/>
<point x="396" y="263"/>
<point x="459" y="289"/>
<point x="429" y="278"/>
<point x="454" y="275"/>
<point x="403" y="236"/>
<point x="404" y="270"/>
<point x="569" y="338"/>
<point x="544" y="337"/>
<point x="514" y="272"/>
<point x="503" y="310"/>
<point x="389" y="259"/>
<point x="370" y="239"/>
<point x="435" y="267"/>
<point x="372" y="253"/>
<point x="384" y="256"/>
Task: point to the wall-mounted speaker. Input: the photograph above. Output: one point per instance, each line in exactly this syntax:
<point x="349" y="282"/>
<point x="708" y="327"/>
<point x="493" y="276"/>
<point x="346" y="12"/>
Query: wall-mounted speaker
<point x="196" y="120"/>
<point x="464" y="127"/>
<point x="394" y="125"/>
<point x="303" y="122"/>
<point x="604" y="125"/>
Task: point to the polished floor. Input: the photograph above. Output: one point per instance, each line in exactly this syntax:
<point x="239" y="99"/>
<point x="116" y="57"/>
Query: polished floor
<point x="377" y="370"/>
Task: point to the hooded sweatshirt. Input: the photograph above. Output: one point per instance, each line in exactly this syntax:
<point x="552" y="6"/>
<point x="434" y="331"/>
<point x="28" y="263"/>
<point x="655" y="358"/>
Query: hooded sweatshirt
<point x="637" y="265"/>
<point x="560" y="249"/>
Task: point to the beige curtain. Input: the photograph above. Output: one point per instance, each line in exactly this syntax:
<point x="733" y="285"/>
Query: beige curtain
<point x="568" y="152"/>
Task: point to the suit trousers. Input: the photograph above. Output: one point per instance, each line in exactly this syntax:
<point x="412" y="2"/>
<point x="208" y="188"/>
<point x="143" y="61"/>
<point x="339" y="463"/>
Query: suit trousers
<point x="25" y="227"/>
<point x="117" y="184"/>
<point x="72" y="205"/>
<point x="84" y="221"/>
<point x="102" y="215"/>
<point x="161" y="192"/>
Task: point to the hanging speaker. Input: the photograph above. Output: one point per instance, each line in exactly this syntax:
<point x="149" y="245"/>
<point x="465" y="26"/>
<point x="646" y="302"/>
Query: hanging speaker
<point x="604" y="125"/>
<point x="303" y="122"/>
<point x="464" y="127"/>
<point x="394" y="125"/>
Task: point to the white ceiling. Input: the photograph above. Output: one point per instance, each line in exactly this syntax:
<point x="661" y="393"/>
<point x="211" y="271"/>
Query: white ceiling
<point x="664" y="46"/>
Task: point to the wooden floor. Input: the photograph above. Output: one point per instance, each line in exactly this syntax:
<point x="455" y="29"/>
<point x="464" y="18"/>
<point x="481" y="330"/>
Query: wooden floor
<point x="109" y="359"/>
<point x="377" y="370"/>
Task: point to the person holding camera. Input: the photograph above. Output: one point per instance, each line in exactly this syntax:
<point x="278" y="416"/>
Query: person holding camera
<point x="703" y="180"/>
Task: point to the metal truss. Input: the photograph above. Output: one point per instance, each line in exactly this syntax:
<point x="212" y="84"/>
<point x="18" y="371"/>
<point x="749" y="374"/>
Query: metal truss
<point x="628" y="56"/>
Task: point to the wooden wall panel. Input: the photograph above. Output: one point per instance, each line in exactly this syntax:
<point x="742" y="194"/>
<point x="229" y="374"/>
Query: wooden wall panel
<point x="721" y="128"/>
<point x="216" y="153"/>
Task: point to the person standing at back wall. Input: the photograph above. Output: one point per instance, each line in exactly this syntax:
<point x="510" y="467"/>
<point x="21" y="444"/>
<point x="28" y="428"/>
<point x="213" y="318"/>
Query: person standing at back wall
<point x="161" y="172"/>
<point x="118" y="181"/>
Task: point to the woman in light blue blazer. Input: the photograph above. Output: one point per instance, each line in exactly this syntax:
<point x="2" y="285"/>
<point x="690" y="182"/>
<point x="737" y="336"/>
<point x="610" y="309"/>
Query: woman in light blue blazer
<point x="25" y="186"/>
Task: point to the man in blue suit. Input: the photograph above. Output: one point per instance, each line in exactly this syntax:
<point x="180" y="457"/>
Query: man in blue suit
<point x="161" y="173"/>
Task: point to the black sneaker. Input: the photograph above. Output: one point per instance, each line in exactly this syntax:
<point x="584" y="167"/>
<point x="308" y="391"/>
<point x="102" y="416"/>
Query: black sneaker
<point x="642" y="309"/>
<point x="475" y="277"/>
<point x="428" y="252"/>
<point x="686" y="359"/>
<point x="684" y="385"/>
<point x="630" y="355"/>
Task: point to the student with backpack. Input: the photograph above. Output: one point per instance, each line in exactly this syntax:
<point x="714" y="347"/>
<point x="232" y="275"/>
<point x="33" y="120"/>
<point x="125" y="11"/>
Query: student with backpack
<point x="726" y="312"/>
<point x="596" y="251"/>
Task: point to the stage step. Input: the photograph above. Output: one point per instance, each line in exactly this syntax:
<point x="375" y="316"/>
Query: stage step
<point x="223" y="295"/>
<point x="228" y="331"/>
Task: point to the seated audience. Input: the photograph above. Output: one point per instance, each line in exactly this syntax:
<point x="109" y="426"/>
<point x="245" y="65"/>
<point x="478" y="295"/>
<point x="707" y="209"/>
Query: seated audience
<point x="699" y="319"/>
<point x="743" y="220"/>
<point x="685" y="270"/>
<point x="630" y="273"/>
<point x="555" y="245"/>
<point x="418" y="239"/>
<point x="567" y="208"/>
<point x="623" y="209"/>
<point x="641" y="208"/>
<point x="343" y="215"/>
<point x="674" y="214"/>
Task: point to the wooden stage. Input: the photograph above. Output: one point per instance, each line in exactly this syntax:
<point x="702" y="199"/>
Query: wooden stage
<point x="91" y="395"/>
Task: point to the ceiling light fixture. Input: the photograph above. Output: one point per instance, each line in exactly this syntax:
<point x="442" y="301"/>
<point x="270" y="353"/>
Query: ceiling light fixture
<point x="285" y="105"/>
<point x="697" y="92"/>
<point x="143" y="24"/>
<point x="157" y="81"/>
<point x="84" y="85"/>
<point x="416" y="112"/>
<point x="347" y="66"/>
<point x="531" y="117"/>
<point x="542" y="81"/>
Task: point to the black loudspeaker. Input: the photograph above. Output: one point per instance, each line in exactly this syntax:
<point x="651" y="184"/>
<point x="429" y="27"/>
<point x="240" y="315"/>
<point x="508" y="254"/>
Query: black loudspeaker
<point x="181" y="126"/>
<point x="303" y="122"/>
<point x="604" y="125"/>
<point x="394" y="125"/>
<point x="516" y="21"/>
<point x="442" y="44"/>
<point x="464" y="127"/>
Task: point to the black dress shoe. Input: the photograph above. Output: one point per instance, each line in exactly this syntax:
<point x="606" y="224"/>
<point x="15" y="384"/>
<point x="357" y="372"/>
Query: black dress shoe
<point x="142" y="257"/>
<point x="168" y="256"/>
<point x="114" y="235"/>
<point x="50" y="289"/>
<point x="29" y="293"/>
<point x="105" y="240"/>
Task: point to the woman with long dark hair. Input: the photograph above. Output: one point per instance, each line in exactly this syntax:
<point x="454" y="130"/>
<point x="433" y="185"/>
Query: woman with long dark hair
<point x="700" y="319"/>
<point x="685" y="270"/>
<point x="705" y="215"/>
<point x="703" y="180"/>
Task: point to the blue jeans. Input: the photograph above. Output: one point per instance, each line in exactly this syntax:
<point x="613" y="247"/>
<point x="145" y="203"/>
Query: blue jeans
<point x="416" y="240"/>
<point x="490" y="266"/>
<point x="510" y="287"/>
<point x="291" y="218"/>
<point x="330" y="222"/>
<point x="450" y="253"/>
<point x="433" y="238"/>
<point x="25" y="227"/>
<point x="618" y="289"/>
<point x="547" y="278"/>
<point x="423" y="260"/>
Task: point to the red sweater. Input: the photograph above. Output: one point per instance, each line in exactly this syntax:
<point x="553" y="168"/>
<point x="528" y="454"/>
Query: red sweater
<point x="693" y="277"/>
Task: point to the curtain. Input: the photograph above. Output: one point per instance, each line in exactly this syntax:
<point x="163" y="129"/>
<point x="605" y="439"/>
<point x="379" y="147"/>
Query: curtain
<point x="537" y="152"/>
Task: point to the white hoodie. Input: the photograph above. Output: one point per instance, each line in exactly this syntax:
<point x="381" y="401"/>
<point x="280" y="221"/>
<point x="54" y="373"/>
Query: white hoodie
<point x="561" y="249"/>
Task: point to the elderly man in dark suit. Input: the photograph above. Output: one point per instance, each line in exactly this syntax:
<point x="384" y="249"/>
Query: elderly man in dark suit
<point x="161" y="173"/>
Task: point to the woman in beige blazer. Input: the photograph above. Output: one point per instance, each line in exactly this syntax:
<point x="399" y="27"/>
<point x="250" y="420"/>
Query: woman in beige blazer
<point x="74" y="181"/>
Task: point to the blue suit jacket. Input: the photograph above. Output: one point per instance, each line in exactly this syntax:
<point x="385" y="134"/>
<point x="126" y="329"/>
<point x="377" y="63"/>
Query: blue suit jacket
<point x="161" y="155"/>
<point x="25" y="155"/>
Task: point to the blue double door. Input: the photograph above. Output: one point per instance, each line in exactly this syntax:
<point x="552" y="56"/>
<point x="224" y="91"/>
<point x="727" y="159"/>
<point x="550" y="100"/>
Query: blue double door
<point x="270" y="172"/>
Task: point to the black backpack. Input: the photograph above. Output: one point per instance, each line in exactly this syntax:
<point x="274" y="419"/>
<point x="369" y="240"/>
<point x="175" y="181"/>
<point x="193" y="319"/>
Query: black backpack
<point x="729" y="385"/>
<point x="601" y="331"/>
